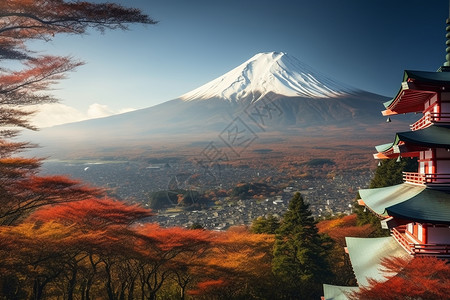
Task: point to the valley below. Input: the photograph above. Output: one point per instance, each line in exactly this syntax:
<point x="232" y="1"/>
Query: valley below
<point x="215" y="188"/>
<point x="233" y="149"/>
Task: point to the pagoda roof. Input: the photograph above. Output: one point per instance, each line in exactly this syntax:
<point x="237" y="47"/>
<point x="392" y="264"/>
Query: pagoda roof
<point x="436" y="78"/>
<point x="410" y="202"/>
<point x="366" y="255"/>
<point x="431" y="205"/>
<point x="379" y="199"/>
<point x="434" y="136"/>
<point x="417" y="87"/>
<point x="335" y="292"/>
<point x="385" y="147"/>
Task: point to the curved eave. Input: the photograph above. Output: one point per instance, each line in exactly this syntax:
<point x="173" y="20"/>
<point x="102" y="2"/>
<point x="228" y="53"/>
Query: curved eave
<point x="417" y="87"/>
<point x="335" y="292"/>
<point x="437" y="79"/>
<point x="379" y="199"/>
<point x="405" y="150"/>
<point x="366" y="255"/>
<point x="429" y="206"/>
<point x="393" y="150"/>
<point x="385" y="147"/>
<point x="435" y="136"/>
<point x="407" y="100"/>
<point x="409" y="142"/>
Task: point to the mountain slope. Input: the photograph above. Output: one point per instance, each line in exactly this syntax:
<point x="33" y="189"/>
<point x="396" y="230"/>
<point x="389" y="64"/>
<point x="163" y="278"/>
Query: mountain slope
<point x="270" y="93"/>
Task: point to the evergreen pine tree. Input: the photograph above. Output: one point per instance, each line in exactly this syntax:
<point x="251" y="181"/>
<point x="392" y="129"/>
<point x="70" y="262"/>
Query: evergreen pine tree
<point x="269" y="225"/>
<point x="300" y="253"/>
<point x="388" y="173"/>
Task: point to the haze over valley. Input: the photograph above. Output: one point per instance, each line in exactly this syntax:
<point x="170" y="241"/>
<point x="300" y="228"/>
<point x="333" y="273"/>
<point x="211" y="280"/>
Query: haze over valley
<point x="271" y="120"/>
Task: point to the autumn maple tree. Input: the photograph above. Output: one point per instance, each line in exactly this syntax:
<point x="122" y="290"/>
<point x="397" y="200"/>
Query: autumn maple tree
<point x="38" y="254"/>
<point x="337" y="229"/>
<point x="169" y="254"/>
<point x="69" y="247"/>
<point x="405" y="278"/>
<point x="237" y="266"/>
<point x="25" y="76"/>
<point x="25" y="20"/>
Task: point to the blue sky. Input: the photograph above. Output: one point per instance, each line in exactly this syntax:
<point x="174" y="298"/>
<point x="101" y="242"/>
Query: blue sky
<point x="365" y="44"/>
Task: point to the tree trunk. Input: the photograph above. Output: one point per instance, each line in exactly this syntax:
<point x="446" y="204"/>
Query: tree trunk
<point x="182" y="292"/>
<point x="108" y="283"/>
<point x="72" y="283"/>
<point x="38" y="290"/>
<point x="152" y="296"/>
<point x="122" y="291"/>
<point x="131" y="290"/>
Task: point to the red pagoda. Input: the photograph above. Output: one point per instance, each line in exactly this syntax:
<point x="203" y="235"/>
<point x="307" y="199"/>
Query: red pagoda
<point x="417" y="211"/>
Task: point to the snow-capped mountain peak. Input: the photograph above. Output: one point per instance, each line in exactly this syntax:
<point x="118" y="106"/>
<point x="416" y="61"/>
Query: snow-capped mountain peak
<point x="270" y="72"/>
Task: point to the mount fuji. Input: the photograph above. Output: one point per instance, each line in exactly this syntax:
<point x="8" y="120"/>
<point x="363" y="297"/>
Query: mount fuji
<point x="264" y="73"/>
<point x="272" y="93"/>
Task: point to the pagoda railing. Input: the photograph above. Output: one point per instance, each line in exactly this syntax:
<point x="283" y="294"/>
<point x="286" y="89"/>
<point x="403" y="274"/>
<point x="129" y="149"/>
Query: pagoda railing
<point x="430" y="118"/>
<point x="416" y="178"/>
<point x="399" y="234"/>
<point x="419" y="249"/>
<point x="426" y="178"/>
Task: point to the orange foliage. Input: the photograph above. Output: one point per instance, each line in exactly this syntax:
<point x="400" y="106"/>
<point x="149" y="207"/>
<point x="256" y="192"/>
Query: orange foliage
<point x="92" y="213"/>
<point x="172" y="239"/>
<point x="343" y="227"/>
<point x="23" y="20"/>
<point x="22" y="193"/>
<point x="210" y="283"/>
<point x="239" y="251"/>
<point x="419" y="278"/>
<point x="57" y="242"/>
<point x="236" y="260"/>
<point x="205" y="287"/>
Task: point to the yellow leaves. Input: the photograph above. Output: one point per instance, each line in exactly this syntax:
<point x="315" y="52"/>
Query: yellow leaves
<point x="238" y="250"/>
<point x="32" y="237"/>
<point x="239" y="236"/>
<point x="19" y="162"/>
<point x="342" y="227"/>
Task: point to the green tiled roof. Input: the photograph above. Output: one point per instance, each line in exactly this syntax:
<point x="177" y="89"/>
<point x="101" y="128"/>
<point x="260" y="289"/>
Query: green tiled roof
<point x="430" y="205"/>
<point x="366" y="254"/>
<point x="335" y="292"/>
<point x="381" y="198"/>
<point x="411" y="202"/>
<point x="432" y="136"/>
<point x="388" y="103"/>
<point x="429" y="77"/>
<point x="438" y="78"/>
<point x="384" y="147"/>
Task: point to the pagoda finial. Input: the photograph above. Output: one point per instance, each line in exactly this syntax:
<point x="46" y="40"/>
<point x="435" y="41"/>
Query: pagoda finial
<point x="446" y="66"/>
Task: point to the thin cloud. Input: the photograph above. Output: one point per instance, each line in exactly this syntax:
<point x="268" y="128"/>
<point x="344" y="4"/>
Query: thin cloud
<point x="48" y="115"/>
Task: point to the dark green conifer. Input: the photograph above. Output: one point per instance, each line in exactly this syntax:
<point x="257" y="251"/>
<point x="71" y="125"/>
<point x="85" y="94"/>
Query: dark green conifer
<point x="300" y="253"/>
<point x="269" y="224"/>
<point x="389" y="172"/>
